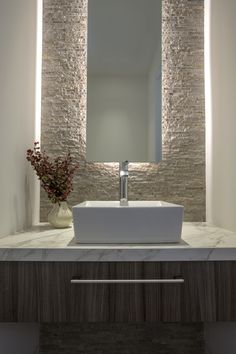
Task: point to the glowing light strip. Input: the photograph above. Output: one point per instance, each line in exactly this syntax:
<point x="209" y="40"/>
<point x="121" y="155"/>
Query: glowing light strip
<point x="208" y="108"/>
<point x="37" y="115"/>
<point x="38" y="78"/>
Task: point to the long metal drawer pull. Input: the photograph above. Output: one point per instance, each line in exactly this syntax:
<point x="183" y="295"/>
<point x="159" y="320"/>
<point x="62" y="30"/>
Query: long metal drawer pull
<point x="125" y="281"/>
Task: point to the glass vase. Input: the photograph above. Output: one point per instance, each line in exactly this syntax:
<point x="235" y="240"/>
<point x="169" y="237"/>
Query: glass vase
<point x="60" y="215"/>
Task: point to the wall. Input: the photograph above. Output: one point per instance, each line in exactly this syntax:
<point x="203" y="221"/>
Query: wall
<point x="17" y="113"/>
<point x="18" y="188"/>
<point x="221" y="108"/>
<point x="116" y="124"/>
<point x="180" y="177"/>
<point x="220" y="47"/>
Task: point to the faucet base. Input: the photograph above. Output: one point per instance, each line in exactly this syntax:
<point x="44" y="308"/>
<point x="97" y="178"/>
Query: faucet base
<point x="124" y="202"/>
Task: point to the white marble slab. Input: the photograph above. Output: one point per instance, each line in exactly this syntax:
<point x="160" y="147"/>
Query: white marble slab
<point x="200" y="242"/>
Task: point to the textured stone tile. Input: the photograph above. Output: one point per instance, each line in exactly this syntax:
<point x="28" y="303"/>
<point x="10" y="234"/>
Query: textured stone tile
<point x="180" y="177"/>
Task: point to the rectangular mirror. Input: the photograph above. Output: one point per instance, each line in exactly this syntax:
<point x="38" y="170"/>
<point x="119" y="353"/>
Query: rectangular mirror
<point x="124" y="81"/>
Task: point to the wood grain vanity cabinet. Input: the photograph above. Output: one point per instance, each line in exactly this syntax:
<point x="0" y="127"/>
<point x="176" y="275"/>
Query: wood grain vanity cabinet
<point x="43" y="292"/>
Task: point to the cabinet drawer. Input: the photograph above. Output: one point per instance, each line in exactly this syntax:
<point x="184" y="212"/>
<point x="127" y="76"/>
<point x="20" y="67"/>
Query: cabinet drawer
<point x="53" y="297"/>
<point x="62" y="295"/>
<point x="57" y="292"/>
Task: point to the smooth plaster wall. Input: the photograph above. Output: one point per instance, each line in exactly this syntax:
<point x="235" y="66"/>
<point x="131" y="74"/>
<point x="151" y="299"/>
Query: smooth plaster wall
<point x="18" y="187"/>
<point x="180" y="177"/>
<point x="221" y="113"/>
<point x="17" y="113"/>
<point x="117" y="118"/>
<point x="220" y="28"/>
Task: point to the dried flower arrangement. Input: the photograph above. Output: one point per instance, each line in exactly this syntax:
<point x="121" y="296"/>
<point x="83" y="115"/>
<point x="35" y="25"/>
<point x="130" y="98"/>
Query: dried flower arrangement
<point x="56" y="175"/>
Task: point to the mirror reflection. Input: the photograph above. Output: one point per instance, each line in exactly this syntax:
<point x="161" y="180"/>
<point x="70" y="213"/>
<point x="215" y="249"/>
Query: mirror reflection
<point x="124" y="81"/>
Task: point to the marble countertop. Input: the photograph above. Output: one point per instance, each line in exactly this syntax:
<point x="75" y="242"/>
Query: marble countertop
<point x="200" y="242"/>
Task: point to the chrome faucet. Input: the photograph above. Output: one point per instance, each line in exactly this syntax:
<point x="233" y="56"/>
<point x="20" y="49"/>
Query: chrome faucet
<point x="124" y="173"/>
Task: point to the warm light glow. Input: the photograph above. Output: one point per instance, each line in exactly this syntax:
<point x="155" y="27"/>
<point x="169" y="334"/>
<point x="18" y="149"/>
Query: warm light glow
<point x="38" y="79"/>
<point x="208" y="109"/>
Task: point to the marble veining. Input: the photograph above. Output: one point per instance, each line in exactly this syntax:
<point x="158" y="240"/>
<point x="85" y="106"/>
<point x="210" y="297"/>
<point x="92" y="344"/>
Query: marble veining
<point x="200" y="242"/>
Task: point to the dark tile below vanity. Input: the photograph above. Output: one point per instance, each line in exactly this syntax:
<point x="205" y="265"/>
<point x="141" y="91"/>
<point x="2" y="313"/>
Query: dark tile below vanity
<point x="137" y="338"/>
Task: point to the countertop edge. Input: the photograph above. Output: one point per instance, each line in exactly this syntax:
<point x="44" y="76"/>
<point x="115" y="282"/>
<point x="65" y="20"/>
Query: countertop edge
<point x="117" y="255"/>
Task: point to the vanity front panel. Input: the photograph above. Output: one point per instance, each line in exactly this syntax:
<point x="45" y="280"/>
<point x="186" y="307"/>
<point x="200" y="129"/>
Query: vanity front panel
<point x="117" y="291"/>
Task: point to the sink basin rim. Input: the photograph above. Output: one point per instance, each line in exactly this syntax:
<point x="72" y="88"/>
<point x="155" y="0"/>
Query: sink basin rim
<point x="131" y="204"/>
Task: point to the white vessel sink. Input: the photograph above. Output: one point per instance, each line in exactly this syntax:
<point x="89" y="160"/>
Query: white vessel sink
<point x="138" y="222"/>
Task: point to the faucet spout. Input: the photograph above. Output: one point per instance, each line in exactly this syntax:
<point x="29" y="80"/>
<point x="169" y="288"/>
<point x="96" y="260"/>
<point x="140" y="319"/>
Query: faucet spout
<point x="124" y="173"/>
